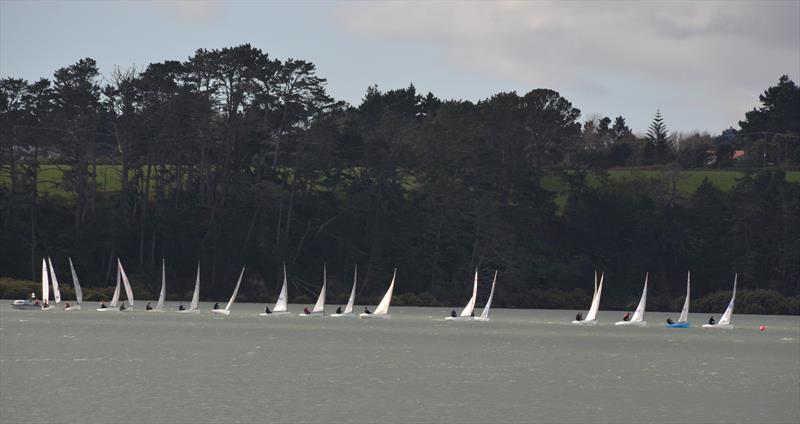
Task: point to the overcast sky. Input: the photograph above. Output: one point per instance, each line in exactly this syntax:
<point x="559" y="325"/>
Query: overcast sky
<point x="703" y="63"/>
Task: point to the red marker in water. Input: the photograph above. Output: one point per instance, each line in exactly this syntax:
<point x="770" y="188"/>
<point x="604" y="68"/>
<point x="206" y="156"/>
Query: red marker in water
<point x="763" y="328"/>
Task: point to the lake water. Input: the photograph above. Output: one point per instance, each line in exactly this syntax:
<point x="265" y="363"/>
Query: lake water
<point x="523" y="366"/>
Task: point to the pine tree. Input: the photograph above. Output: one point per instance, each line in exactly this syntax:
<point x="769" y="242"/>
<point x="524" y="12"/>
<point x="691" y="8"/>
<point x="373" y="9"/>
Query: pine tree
<point x="658" y="136"/>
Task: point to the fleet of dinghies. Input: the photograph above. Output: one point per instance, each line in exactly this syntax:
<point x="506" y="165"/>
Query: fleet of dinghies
<point x="280" y="307"/>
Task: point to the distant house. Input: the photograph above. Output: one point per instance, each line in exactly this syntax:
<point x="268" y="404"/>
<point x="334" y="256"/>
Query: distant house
<point x="737" y="154"/>
<point x="712" y="155"/>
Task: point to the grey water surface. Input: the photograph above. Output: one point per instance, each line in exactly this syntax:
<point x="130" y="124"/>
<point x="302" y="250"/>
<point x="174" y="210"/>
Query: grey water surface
<point x="523" y="366"/>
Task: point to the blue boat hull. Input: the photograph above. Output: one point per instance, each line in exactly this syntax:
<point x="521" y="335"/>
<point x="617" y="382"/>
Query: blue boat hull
<point x="679" y="325"/>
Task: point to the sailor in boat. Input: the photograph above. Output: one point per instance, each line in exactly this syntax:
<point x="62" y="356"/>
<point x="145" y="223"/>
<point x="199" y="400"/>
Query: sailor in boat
<point x="148" y="307"/>
<point x="472" y="314"/>
<point x="711" y="320"/>
<point x="669" y="321"/>
<point x="46" y="305"/>
<point x="103" y="303"/>
<point x="181" y="307"/>
<point x="122" y="306"/>
<point x="453" y="313"/>
<point x="266" y="310"/>
<point x="579" y="317"/>
<point x="366" y="310"/>
<point x="66" y="305"/>
<point x="339" y="310"/>
<point x="627" y="316"/>
<point x="216" y="305"/>
<point x="305" y="310"/>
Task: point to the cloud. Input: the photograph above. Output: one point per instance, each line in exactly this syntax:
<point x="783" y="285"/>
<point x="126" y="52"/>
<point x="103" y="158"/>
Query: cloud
<point x="691" y="50"/>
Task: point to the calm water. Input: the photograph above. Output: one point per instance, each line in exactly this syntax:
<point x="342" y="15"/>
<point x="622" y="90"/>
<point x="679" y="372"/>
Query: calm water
<point x="524" y="366"/>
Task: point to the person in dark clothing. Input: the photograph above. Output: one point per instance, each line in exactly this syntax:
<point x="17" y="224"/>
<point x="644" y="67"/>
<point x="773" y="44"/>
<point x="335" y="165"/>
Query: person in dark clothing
<point x="627" y="316"/>
<point x="148" y="307"/>
<point x="122" y="306"/>
<point x="267" y="311"/>
<point x="453" y="313"/>
<point x="103" y="303"/>
<point x="711" y="320"/>
<point x="181" y="307"/>
<point x="472" y="314"/>
<point x="305" y="310"/>
<point x="366" y="310"/>
<point x="66" y="305"/>
<point x="669" y="321"/>
<point x="578" y="317"/>
<point x="339" y="310"/>
<point x="216" y="305"/>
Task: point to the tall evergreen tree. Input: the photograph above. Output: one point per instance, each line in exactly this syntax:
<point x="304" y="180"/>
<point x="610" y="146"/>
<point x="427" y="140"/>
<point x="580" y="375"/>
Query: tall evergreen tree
<point x="658" y="137"/>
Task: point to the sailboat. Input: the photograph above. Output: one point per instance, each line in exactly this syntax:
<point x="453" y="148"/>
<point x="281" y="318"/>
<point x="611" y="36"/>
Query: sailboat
<point x="193" y="307"/>
<point x="122" y="279"/>
<point x="382" y="311"/>
<point x="725" y="321"/>
<point x="319" y="307"/>
<point x="485" y="314"/>
<point x="467" y="314"/>
<point x="78" y="291"/>
<point x="54" y="281"/>
<point x="683" y="320"/>
<point x="281" y="305"/>
<point x="638" y="315"/>
<point x="163" y="293"/>
<point x="32" y="304"/>
<point x="227" y="310"/>
<point x="591" y="316"/>
<point x="348" y="309"/>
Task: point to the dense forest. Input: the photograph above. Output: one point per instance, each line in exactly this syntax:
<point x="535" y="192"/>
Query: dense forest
<point x="235" y="158"/>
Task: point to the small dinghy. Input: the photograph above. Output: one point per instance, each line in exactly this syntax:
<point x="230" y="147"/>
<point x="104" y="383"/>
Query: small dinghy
<point x="163" y="293"/>
<point x="683" y="320"/>
<point x="32" y="304"/>
<point x="78" y="291"/>
<point x="348" y="309"/>
<point x="382" y="311"/>
<point x="591" y="316"/>
<point x="485" y="314"/>
<point x="54" y="281"/>
<point x="638" y="317"/>
<point x="725" y="322"/>
<point x="281" y="305"/>
<point x="227" y="310"/>
<point x="319" y="307"/>
<point x="122" y="279"/>
<point x="193" y="307"/>
<point x="468" y="313"/>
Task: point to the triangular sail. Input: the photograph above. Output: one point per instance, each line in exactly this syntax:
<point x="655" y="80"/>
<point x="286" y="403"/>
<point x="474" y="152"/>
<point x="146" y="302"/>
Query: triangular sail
<point x="163" y="293"/>
<point x="126" y="283"/>
<point x="348" y="309"/>
<point x="45" y="283"/>
<point x="726" y="317"/>
<point x="320" y="305"/>
<point x="383" y="307"/>
<point x="595" y="284"/>
<point x="235" y="291"/>
<point x="281" y="305"/>
<point x="196" y="295"/>
<point x="685" y="311"/>
<point x="592" y="314"/>
<point x="78" y="291"/>
<point x="54" y="280"/>
<point x="471" y="304"/>
<point x="485" y="313"/>
<point x="115" y="298"/>
<point x="638" y="315"/>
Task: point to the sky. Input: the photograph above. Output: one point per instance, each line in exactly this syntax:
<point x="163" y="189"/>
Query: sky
<point x="702" y="63"/>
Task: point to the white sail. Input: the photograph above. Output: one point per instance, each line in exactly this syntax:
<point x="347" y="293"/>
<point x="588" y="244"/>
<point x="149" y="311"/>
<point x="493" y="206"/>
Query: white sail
<point x="471" y="304"/>
<point x="726" y="317"/>
<point x="54" y="280"/>
<point x="592" y="314"/>
<point x="235" y="292"/>
<point x="115" y="298"/>
<point x="685" y="311"/>
<point x="383" y="307"/>
<point x="595" y="284"/>
<point x="163" y="293"/>
<point x="281" y="305"/>
<point x="78" y="291"/>
<point x="485" y="313"/>
<point x="126" y="283"/>
<point x="196" y="295"/>
<point x="319" y="307"/>
<point x="45" y="284"/>
<point x="348" y="309"/>
<point x="638" y="315"/>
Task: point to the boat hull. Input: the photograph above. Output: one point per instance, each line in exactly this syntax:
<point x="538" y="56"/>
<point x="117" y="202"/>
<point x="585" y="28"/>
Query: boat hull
<point x="25" y="305"/>
<point x="678" y="325"/>
<point x="631" y="323"/>
<point x="107" y="310"/>
<point x="276" y="314"/>
<point x="312" y="315"/>
<point x="374" y="316"/>
<point x="719" y="326"/>
<point x="220" y="312"/>
<point x="188" y="311"/>
<point x="588" y="323"/>
<point x="73" y="308"/>
<point x="459" y="319"/>
<point x="350" y="315"/>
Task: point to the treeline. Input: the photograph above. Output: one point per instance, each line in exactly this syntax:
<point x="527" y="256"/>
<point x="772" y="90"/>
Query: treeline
<point x="235" y="158"/>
